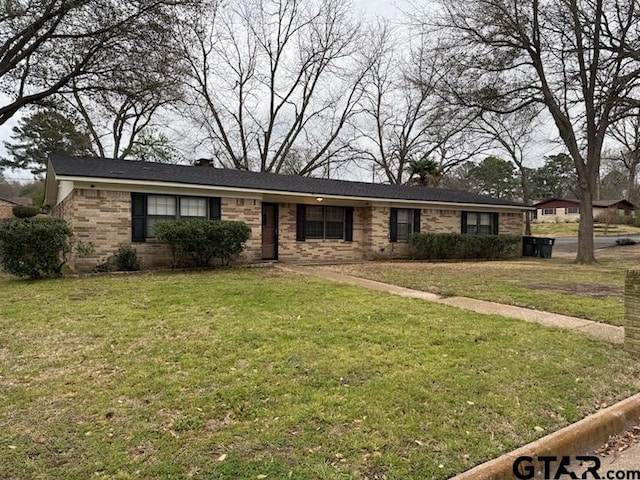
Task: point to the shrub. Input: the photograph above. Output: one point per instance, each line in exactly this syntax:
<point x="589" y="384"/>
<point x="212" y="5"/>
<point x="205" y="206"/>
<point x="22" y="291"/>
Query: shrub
<point x="446" y="246"/>
<point x="203" y="240"/>
<point x="614" y="217"/>
<point x="124" y="260"/>
<point x="21" y="211"/>
<point x="34" y="247"/>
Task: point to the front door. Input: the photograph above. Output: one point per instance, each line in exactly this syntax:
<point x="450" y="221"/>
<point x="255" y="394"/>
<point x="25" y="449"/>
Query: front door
<point x="269" y="231"/>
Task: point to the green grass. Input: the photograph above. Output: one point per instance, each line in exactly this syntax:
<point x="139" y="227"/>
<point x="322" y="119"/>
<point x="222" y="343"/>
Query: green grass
<point x="570" y="229"/>
<point x="253" y="373"/>
<point x="556" y="285"/>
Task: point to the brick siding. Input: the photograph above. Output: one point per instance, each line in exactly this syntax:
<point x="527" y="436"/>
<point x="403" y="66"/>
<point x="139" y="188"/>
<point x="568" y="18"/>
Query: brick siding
<point x="314" y="250"/>
<point x="6" y="209"/>
<point x="103" y="218"/>
<point x="248" y="211"/>
<point x="510" y="224"/>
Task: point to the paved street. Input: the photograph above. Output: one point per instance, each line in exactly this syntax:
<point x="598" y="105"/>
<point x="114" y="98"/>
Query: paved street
<point x="570" y="244"/>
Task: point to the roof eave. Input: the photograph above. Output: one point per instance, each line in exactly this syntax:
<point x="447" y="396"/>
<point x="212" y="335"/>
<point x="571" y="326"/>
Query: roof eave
<point x="152" y="183"/>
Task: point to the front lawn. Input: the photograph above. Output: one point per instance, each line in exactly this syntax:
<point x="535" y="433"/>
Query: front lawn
<point x="556" y="285"/>
<point x="258" y="374"/>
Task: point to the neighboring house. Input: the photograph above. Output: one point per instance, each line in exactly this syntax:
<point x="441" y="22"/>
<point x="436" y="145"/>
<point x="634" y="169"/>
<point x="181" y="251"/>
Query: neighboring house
<point x="568" y="209"/>
<point x="7" y="204"/>
<point x="118" y="202"/>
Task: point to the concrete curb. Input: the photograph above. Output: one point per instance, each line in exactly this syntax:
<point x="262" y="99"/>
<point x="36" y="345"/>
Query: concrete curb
<point x="577" y="439"/>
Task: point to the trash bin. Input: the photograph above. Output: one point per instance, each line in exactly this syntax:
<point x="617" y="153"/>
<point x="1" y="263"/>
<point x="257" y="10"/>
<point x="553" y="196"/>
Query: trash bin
<point x="545" y="247"/>
<point x="529" y="246"/>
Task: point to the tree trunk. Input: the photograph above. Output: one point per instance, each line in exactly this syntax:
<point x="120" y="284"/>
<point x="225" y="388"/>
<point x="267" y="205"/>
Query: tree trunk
<point x="527" y="223"/>
<point x="526" y="199"/>
<point x="631" y="185"/>
<point x="585" y="230"/>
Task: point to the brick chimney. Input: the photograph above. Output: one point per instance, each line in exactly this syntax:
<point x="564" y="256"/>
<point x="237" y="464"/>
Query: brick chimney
<point x="203" y="162"/>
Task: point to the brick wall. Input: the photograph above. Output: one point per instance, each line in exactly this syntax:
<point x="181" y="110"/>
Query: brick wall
<point x="632" y="312"/>
<point x="248" y="211"/>
<point x="312" y="250"/>
<point x="377" y="244"/>
<point x="103" y="218"/>
<point x="6" y="209"/>
<point x="510" y="223"/>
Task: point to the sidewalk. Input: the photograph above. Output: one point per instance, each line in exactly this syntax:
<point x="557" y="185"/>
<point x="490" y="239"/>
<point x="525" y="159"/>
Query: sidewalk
<point x="601" y="331"/>
<point x="626" y="460"/>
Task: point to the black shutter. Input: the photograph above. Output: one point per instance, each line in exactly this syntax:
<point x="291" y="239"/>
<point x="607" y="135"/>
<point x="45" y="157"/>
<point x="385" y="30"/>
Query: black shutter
<point x="138" y="217"/>
<point x="494" y="223"/>
<point x="393" y="225"/>
<point x="215" y="210"/>
<point x="416" y="220"/>
<point x="463" y="222"/>
<point x="301" y="218"/>
<point x="348" y="224"/>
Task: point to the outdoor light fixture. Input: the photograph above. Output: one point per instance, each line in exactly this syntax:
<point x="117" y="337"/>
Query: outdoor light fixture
<point x="319" y="199"/>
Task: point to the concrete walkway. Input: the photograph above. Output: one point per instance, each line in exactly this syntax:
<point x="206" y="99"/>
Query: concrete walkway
<point x="601" y="331"/>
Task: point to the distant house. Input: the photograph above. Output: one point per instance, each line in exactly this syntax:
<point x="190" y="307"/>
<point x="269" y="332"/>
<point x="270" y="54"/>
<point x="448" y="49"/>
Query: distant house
<point x="7" y="204"/>
<point x="118" y="202"/>
<point x="568" y="209"/>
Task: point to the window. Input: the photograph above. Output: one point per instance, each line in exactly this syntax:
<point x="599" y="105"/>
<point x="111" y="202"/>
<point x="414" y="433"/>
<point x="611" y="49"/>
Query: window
<point x="163" y="208"/>
<point x="159" y="209"/>
<point x="193" y="207"/>
<point x="571" y="210"/>
<point x="480" y="223"/>
<point x="315" y="222"/>
<point x="149" y="210"/>
<point x="548" y="211"/>
<point x="402" y="223"/>
<point x="323" y="222"/>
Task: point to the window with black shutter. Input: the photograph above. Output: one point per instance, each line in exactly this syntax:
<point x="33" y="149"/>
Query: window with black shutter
<point x="324" y="223"/>
<point x="480" y="223"/>
<point x="402" y="223"/>
<point x="147" y="210"/>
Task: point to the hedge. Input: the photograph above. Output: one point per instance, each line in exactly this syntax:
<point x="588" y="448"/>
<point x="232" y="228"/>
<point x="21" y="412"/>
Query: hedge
<point x="446" y="246"/>
<point x="22" y="211"/>
<point x="203" y="240"/>
<point x="34" y="247"/>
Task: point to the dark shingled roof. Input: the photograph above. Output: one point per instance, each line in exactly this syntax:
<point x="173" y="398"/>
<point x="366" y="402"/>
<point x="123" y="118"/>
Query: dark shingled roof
<point x="137" y="170"/>
<point x="596" y="203"/>
<point x="21" y="201"/>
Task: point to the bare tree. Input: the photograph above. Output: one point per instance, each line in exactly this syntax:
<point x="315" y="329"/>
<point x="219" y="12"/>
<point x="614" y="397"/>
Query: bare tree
<point x="272" y="78"/>
<point x="512" y="135"/>
<point x="45" y="44"/>
<point x="626" y="133"/>
<point x="406" y="118"/>
<point x="577" y="59"/>
<point x="121" y="110"/>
